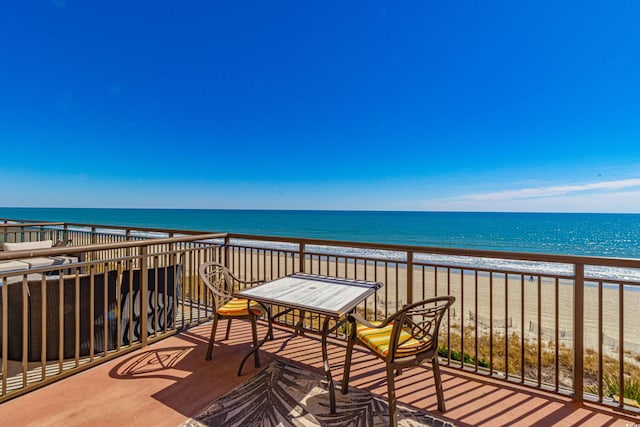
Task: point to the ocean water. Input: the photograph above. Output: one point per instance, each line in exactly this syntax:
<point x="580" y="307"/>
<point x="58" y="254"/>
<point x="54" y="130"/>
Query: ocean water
<point x="611" y="235"/>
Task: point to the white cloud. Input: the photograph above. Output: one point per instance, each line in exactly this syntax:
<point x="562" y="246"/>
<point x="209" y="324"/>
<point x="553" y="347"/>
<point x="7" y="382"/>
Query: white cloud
<point x="606" y="196"/>
<point x="557" y="190"/>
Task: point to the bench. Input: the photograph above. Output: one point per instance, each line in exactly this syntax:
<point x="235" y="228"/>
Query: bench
<point x="34" y="262"/>
<point x="123" y="292"/>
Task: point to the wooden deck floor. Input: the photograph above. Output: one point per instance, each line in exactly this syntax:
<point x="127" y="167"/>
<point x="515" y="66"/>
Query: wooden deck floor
<point x="170" y="381"/>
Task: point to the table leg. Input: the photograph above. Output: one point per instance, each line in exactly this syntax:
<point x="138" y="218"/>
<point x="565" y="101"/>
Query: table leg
<point x="351" y="329"/>
<point x="259" y="344"/>
<point x="300" y="324"/>
<point x="327" y="368"/>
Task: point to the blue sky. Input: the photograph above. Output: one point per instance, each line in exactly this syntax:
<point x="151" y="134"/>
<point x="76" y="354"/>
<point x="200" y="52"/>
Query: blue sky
<point x="412" y="105"/>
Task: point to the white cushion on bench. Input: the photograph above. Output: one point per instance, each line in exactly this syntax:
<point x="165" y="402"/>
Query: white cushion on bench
<point x="38" y="262"/>
<point x="47" y="261"/>
<point x="64" y="259"/>
<point x="27" y="246"/>
<point x="13" y="265"/>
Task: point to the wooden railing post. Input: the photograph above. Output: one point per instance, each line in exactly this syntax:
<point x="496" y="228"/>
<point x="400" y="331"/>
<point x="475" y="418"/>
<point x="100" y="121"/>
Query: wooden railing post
<point x="578" y="333"/>
<point x="172" y="246"/>
<point x="301" y="267"/>
<point x="409" y="277"/>
<point x="127" y="251"/>
<point x="227" y="241"/>
<point x="94" y="240"/>
<point x="144" y="294"/>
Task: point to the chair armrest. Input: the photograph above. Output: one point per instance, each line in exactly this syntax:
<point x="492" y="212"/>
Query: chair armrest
<point x="382" y="323"/>
<point x="358" y="318"/>
<point x="245" y="282"/>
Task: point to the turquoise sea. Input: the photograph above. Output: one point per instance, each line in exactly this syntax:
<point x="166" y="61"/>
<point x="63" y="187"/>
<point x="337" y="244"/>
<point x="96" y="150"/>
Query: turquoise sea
<point x="612" y="235"/>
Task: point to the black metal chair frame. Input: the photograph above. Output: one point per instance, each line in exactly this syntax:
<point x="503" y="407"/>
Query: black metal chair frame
<point x="222" y="283"/>
<point x="421" y="320"/>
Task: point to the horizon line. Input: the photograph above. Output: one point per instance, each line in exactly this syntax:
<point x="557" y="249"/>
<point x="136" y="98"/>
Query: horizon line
<point x="322" y="210"/>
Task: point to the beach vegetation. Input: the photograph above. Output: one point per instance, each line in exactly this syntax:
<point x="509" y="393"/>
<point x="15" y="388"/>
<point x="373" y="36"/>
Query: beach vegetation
<point x="611" y="388"/>
<point x="458" y="356"/>
<point x="505" y="355"/>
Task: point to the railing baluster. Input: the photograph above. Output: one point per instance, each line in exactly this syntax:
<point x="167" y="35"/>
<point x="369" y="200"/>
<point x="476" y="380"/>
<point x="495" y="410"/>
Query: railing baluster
<point x="4" y="291"/>
<point x="506" y="326"/>
<point x="539" y="339"/>
<point x="522" y="329"/>
<point x="409" y="256"/>
<point x="475" y="315"/>
<point x="557" y="334"/>
<point x="43" y="325"/>
<point x="578" y="332"/>
<point x="144" y="295"/>
<point x="491" y="323"/>
<point x="462" y="318"/>
<point x="600" y="343"/>
<point x="449" y="319"/>
<point x="621" y="344"/>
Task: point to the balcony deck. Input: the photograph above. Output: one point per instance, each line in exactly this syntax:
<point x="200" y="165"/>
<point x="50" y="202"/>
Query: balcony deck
<point x="169" y="381"/>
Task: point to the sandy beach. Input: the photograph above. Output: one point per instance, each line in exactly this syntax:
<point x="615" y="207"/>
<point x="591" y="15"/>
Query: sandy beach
<point x="475" y="295"/>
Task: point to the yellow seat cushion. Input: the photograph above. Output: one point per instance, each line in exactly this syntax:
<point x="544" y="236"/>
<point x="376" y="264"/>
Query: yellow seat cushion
<point x="238" y="307"/>
<point x="377" y="339"/>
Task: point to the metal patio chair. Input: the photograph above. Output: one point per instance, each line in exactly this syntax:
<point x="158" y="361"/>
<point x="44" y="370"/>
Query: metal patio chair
<point x="402" y="340"/>
<point x="222" y="284"/>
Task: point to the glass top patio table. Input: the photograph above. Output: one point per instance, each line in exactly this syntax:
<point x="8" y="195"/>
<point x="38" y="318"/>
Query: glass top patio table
<point x="328" y="296"/>
<point x="331" y="297"/>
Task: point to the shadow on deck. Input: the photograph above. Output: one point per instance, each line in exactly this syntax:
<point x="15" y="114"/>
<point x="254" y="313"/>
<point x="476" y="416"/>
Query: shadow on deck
<point x="170" y="381"/>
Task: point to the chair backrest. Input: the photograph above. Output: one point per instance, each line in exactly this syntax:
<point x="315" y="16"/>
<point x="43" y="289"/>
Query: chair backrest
<point x="219" y="280"/>
<point x="415" y="328"/>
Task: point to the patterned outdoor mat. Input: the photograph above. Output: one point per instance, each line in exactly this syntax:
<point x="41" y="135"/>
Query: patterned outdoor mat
<point x="283" y="394"/>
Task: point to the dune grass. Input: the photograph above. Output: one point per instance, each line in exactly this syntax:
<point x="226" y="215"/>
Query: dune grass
<point x="546" y="360"/>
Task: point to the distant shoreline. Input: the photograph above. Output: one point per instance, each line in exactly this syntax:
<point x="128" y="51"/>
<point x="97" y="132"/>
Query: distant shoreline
<point x="599" y="234"/>
<point x="316" y="210"/>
